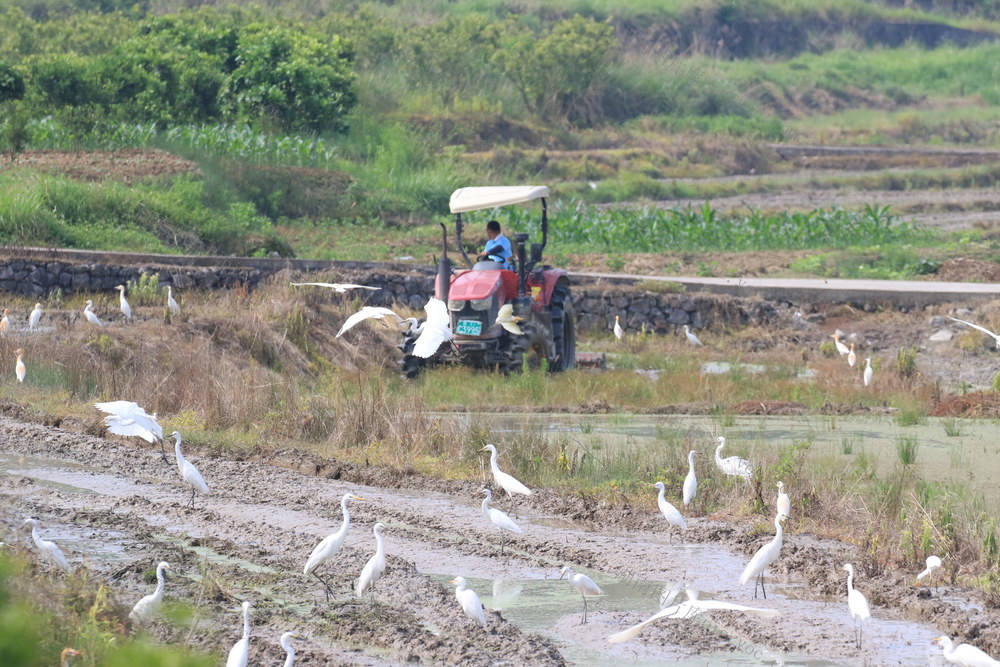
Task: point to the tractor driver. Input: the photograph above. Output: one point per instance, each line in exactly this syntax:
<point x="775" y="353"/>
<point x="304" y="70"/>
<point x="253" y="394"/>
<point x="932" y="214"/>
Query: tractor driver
<point x="497" y="247"/>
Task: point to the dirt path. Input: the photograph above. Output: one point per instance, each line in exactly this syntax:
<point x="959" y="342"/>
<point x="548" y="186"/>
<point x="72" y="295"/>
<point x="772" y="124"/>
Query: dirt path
<point x="121" y="509"/>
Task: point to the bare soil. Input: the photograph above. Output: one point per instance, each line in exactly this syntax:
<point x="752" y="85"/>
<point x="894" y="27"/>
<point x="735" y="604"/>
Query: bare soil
<point x="121" y="509"/>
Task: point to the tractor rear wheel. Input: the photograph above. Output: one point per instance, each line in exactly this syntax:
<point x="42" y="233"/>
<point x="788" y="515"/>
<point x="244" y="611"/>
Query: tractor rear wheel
<point x="563" y="328"/>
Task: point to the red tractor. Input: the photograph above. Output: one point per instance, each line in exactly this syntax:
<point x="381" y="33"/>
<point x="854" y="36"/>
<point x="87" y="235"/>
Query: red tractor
<point x="539" y="294"/>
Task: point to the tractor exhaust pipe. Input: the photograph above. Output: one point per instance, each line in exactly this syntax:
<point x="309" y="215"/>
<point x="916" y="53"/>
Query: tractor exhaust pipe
<point x="443" y="282"/>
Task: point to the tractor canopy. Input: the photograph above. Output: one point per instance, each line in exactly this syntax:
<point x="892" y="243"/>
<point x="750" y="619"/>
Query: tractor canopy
<point x="479" y="198"/>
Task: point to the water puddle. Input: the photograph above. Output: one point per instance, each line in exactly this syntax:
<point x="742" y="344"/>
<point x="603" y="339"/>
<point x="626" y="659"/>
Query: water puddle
<point x="40" y="471"/>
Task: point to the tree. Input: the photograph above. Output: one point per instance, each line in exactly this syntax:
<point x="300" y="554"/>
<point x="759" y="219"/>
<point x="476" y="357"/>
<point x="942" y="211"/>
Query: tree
<point x="11" y="83"/>
<point x="450" y="56"/>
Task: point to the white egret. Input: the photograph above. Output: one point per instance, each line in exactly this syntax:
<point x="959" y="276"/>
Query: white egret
<point x="340" y="288"/>
<point x="35" y="316"/>
<point x="240" y="652"/>
<point x="129" y="419"/>
<point x="619" y="332"/>
<point x="435" y="330"/>
<point x="689" y="609"/>
<point x="857" y="604"/>
<point x="868" y="372"/>
<point x="733" y="466"/>
<point x="508" y="483"/>
<point x="19" y="369"/>
<point x="783" y="502"/>
<point x="66" y="654"/>
<point x="583" y="584"/>
<point x="766" y="555"/>
<point x="507" y="319"/>
<point x="286" y="643"/>
<point x="4" y="322"/>
<point x="966" y="655"/>
<point x="932" y="562"/>
<point x="330" y="545"/>
<point x="852" y="358"/>
<point x="368" y="313"/>
<point x="91" y="316"/>
<point x="49" y="550"/>
<point x="841" y="348"/>
<point x="172" y="304"/>
<point x="189" y="473"/>
<point x="690" y="481"/>
<point x="123" y="303"/>
<point x="375" y="566"/>
<point x="145" y="608"/>
<point x="690" y="336"/>
<point x="469" y="601"/>
<point x="976" y="326"/>
<point x="670" y="513"/>
<point x="498" y="518"/>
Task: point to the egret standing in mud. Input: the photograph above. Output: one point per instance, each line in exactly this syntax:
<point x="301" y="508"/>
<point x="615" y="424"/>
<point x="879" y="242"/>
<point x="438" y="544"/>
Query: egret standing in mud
<point x="966" y="655"/>
<point x="50" y="551"/>
<point x="286" y="643"/>
<point x="841" y="348"/>
<point x="692" y="339"/>
<point x="783" y="502"/>
<point x="330" y="545"/>
<point x="189" y="473"/>
<point x="239" y="654"/>
<point x="19" y="369"/>
<point x="733" y="466"/>
<point x="690" y="481"/>
<point x="375" y="566"/>
<point x="172" y="304"/>
<point x="499" y="519"/>
<point x="852" y="358"/>
<point x="35" y="316"/>
<point x="670" y="513"/>
<point x="508" y="483"/>
<point x="932" y="562"/>
<point x="145" y="608"/>
<point x="857" y="604"/>
<point x="766" y="555"/>
<point x="123" y="303"/>
<point x="469" y="601"/>
<point x="88" y="312"/>
<point x="619" y="332"/>
<point x="868" y="372"/>
<point x="4" y="322"/>
<point x="583" y="584"/>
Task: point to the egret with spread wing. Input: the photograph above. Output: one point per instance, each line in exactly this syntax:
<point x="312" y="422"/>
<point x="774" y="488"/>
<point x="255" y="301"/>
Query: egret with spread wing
<point x="986" y="331"/>
<point x="733" y="466"/>
<point x="129" y="419"/>
<point x="368" y="313"/>
<point x="435" y="330"/>
<point x="340" y="288"/>
<point x="507" y="319"/>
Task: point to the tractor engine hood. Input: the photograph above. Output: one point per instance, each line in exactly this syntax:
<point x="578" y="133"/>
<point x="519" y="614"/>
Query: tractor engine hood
<point x="474" y="285"/>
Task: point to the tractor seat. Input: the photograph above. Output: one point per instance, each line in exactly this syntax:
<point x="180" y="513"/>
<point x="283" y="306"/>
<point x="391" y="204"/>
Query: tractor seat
<point x="488" y="265"/>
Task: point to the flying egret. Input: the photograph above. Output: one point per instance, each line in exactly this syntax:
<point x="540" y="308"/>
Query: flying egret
<point x="841" y="348"/>
<point x="857" y="604"/>
<point x="783" y="502"/>
<point x="619" y="332"/>
<point x="851" y="357"/>
<point x="868" y="371"/>
<point x="469" y="601"/>
<point x="435" y="330"/>
<point x="172" y="304"/>
<point x="4" y="322"/>
<point x="933" y="562"/>
<point x="189" y="473"/>
<point x="286" y="643"/>
<point x="66" y="654"/>
<point x="91" y="316"/>
<point x="145" y="608"/>
<point x="670" y="513"/>
<point x="498" y="518"/>
<point x="368" y="313"/>
<point x="375" y="566"/>
<point x="733" y="466"/>
<point x="766" y="555"/>
<point x="330" y="545"/>
<point x="691" y="481"/>
<point x="966" y="655"/>
<point x="19" y="369"/>
<point x="690" y="336"/>
<point x="507" y="319"/>
<point x="583" y="584"/>
<point x="35" y="316"/>
<point x="340" y="288"/>
<point x="240" y="652"/>
<point x="976" y="326"/>
<point x="689" y="609"/>
<point x="123" y="303"/>
<point x="50" y="551"/>
<point x="508" y="483"/>
<point x="129" y="419"/>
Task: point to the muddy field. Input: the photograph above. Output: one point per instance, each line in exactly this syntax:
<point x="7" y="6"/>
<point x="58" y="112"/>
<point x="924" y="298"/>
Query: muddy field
<point x="120" y="509"/>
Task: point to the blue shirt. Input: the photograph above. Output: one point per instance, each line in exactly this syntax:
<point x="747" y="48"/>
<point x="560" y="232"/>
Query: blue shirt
<point x="499" y="249"/>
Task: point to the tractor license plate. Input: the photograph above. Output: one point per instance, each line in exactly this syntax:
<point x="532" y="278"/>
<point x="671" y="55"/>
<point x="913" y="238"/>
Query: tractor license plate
<point x="469" y="328"/>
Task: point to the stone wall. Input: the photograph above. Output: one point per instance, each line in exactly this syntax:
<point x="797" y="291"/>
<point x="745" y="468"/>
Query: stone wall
<point x="596" y="305"/>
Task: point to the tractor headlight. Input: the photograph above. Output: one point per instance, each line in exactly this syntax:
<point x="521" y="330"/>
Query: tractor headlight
<point x="481" y="304"/>
<point x="456" y="304"/>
